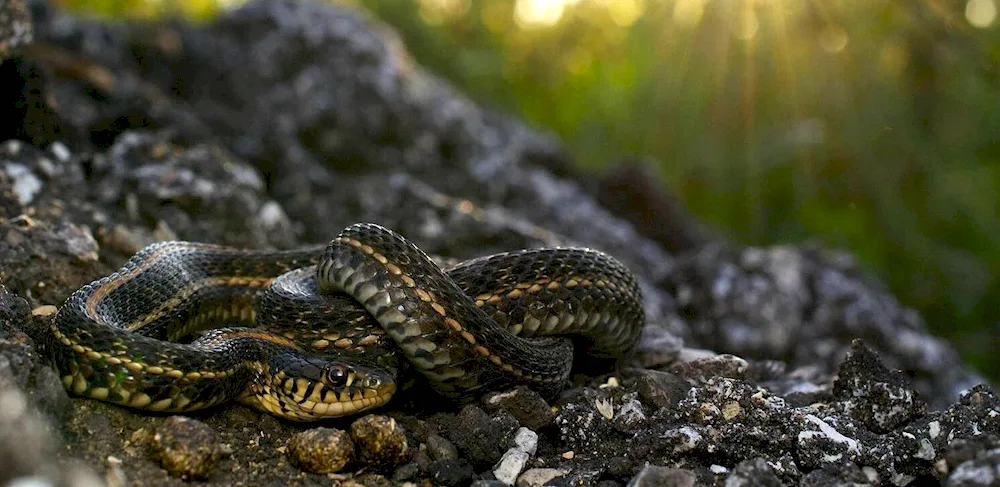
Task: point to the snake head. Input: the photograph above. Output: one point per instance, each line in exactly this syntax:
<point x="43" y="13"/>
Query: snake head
<point x="301" y="387"/>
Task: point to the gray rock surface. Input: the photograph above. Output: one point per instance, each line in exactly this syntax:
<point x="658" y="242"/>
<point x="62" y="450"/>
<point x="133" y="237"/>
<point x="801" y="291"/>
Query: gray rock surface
<point x="282" y="122"/>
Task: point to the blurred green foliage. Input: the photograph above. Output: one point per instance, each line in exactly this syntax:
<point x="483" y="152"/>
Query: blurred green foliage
<point x="872" y="126"/>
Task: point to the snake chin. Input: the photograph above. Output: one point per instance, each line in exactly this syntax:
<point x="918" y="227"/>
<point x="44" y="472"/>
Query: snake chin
<point x="311" y="388"/>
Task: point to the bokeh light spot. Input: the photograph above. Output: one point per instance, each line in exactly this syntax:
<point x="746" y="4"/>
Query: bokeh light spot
<point x="833" y="39"/>
<point x="436" y="12"/>
<point x="981" y="13"/>
<point x="747" y="26"/>
<point x="625" y="12"/>
<point x="688" y="13"/>
<point x="540" y="13"/>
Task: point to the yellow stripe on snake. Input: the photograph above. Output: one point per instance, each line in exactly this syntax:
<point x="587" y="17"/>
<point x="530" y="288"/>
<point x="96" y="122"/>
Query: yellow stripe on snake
<point x="326" y="328"/>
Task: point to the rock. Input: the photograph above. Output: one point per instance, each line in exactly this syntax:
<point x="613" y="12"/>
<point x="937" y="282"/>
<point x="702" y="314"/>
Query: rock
<point x="280" y="122"/>
<point x="661" y="389"/>
<point x="440" y="448"/>
<point x="879" y="399"/>
<point x="658" y="345"/>
<point x="982" y="470"/>
<point x="380" y="441"/>
<point x="634" y="191"/>
<point x="514" y="459"/>
<point x="510" y="466"/>
<point x="526" y="405"/>
<point x="488" y="483"/>
<point x="16" y="27"/>
<point x="584" y="423"/>
<point x="29" y="445"/>
<point x="452" y="472"/>
<point x="753" y="473"/>
<point x="526" y="440"/>
<point x="714" y="366"/>
<point x="845" y="474"/>
<point x="630" y="415"/>
<point x="821" y="443"/>
<point x="321" y="450"/>
<point x="537" y="477"/>
<point x="652" y="475"/>
<point x="481" y="438"/>
<point x="753" y="302"/>
<point x="406" y="472"/>
<point x="187" y="448"/>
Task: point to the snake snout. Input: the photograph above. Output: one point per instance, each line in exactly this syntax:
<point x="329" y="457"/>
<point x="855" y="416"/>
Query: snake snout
<point x="309" y="388"/>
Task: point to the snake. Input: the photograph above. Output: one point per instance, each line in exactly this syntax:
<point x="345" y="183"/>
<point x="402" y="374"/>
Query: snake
<point x="324" y="331"/>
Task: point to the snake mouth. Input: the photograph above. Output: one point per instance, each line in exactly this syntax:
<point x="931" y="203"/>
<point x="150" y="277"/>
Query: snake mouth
<point x="297" y="398"/>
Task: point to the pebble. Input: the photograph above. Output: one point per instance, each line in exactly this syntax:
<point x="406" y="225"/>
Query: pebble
<point x="653" y="475"/>
<point x="187" y="448"/>
<point x="881" y="399"/>
<point x="482" y="438"/>
<point x="379" y="440"/>
<point x="661" y="389"/>
<point x="452" y="472"/>
<point x="537" y="477"/>
<point x="321" y="450"/>
<point x="439" y="448"/>
<point x="526" y="405"/>
<point x="515" y="459"/>
<point x="724" y="365"/>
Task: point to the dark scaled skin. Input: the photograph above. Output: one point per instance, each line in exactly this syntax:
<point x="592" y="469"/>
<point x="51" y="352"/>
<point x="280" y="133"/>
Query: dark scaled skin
<point x="485" y="323"/>
<point x="329" y="329"/>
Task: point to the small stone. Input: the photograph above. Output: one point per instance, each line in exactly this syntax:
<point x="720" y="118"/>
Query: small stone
<point x="537" y="477"/>
<point x="879" y="398"/>
<point x="661" y="389"/>
<point x="630" y="414"/>
<point x="526" y="440"/>
<point x="452" y="472"/>
<point x="653" y="475"/>
<point x="406" y="472"/>
<point x="439" y="448"/>
<point x="510" y="466"/>
<point x="321" y="450"/>
<point x="731" y="410"/>
<point x="526" y="405"/>
<point x="25" y="183"/>
<point x="379" y="440"/>
<point x="488" y="483"/>
<point x="724" y="365"/>
<point x="482" y="438"/>
<point x="658" y="347"/>
<point x="984" y="470"/>
<point x="366" y="480"/>
<point x="187" y="448"/>
<point x="753" y="472"/>
<point x="515" y="459"/>
<point x="843" y="473"/>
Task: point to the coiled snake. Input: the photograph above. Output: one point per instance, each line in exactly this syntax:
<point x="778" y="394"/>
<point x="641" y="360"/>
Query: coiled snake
<point x="328" y="327"/>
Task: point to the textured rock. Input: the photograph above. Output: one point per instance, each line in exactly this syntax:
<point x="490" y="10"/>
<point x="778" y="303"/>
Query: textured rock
<point x="380" y="441"/>
<point x="321" y="450"/>
<point x="187" y="448"/>
<point x="653" y="475"/>
<point x="281" y="122"/>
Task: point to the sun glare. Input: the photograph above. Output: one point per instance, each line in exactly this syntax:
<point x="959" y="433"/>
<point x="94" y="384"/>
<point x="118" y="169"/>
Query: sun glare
<point x="436" y="12"/>
<point x="688" y="13"/>
<point x="981" y="13"/>
<point x="540" y="13"/>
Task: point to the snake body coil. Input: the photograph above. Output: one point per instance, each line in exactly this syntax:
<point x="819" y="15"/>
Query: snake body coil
<point x="327" y="327"/>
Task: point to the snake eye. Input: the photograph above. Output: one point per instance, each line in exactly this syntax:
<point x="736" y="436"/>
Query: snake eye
<point x="337" y="375"/>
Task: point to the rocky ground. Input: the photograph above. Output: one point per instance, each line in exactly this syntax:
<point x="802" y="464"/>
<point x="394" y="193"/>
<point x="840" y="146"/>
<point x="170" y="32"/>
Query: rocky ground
<point x="282" y="122"/>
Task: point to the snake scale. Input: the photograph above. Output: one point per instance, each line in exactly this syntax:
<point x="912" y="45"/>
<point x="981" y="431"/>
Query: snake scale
<point x="315" y="333"/>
